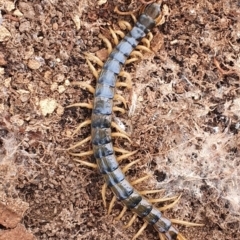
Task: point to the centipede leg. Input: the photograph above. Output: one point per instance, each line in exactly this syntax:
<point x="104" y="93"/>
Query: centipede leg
<point x="121" y="213"/>
<point x="107" y="42"/>
<point x="143" y="48"/>
<point x="122" y="133"/>
<point x="92" y="165"/>
<point x="131" y="221"/>
<point x="89" y="87"/>
<point x="93" y="69"/>
<point x="161" y="236"/>
<point x="88" y="153"/>
<point x="186" y="223"/>
<point x="140" y="231"/>
<point x="145" y="192"/>
<point x="114" y="125"/>
<point x="159" y="200"/>
<point x="120" y="98"/>
<point x="83" y="124"/>
<point x="94" y="59"/>
<point x="128" y="81"/>
<point x="86" y="105"/>
<point x="120" y="150"/>
<point x="119" y="33"/>
<point x="126" y="155"/>
<point x="126" y="168"/>
<point x="111" y="204"/>
<point x="124" y="25"/>
<point x="90" y="106"/>
<point x="181" y="237"/>
<point x="136" y="55"/>
<point x="131" y="60"/>
<point x="118" y="109"/>
<point x="103" y="192"/>
<point x="147" y="40"/>
<point x="116" y="134"/>
<point x="114" y="36"/>
<point x="170" y="205"/>
<point x="87" y="139"/>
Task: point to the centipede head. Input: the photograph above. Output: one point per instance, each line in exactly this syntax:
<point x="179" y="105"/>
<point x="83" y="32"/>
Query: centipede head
<point x="154" y="11"/>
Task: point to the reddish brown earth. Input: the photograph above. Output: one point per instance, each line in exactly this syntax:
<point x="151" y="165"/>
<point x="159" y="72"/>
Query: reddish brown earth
<point x="184" y="119"/>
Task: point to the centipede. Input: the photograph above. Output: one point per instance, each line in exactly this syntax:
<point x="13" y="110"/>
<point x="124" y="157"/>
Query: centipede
<point x="107" y="163"/>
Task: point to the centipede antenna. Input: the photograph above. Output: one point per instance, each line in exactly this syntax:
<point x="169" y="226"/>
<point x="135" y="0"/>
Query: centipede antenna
<point x="116" y="10"/>
<point x="161" y="19"/>
<point x="148" y="2"/>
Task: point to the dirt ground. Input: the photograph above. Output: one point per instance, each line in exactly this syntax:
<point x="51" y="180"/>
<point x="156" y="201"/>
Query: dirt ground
<point x="183" y="117"/>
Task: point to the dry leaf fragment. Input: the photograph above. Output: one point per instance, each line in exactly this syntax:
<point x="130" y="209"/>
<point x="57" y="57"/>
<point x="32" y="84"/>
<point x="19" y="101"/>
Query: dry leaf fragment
<point x="48" y="106"/>
<point x="4" y="34"/>
<point x="101" y="2"/>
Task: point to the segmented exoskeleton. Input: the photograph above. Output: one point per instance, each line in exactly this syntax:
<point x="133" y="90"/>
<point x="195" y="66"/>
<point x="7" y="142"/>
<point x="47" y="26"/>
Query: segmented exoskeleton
<point x="101" y="135"/>
<point x="101" y="126"/>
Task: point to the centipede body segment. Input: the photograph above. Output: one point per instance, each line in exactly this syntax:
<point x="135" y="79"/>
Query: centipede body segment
<point x="101" y="135"/>
<point x="101" y="123"/>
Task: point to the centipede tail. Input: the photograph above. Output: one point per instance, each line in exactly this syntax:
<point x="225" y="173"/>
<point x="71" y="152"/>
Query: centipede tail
<point x="101" y="127"/>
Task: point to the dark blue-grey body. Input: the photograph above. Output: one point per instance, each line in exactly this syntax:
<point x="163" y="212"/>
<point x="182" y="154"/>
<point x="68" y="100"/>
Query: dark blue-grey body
<point x="101" y="127"/>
